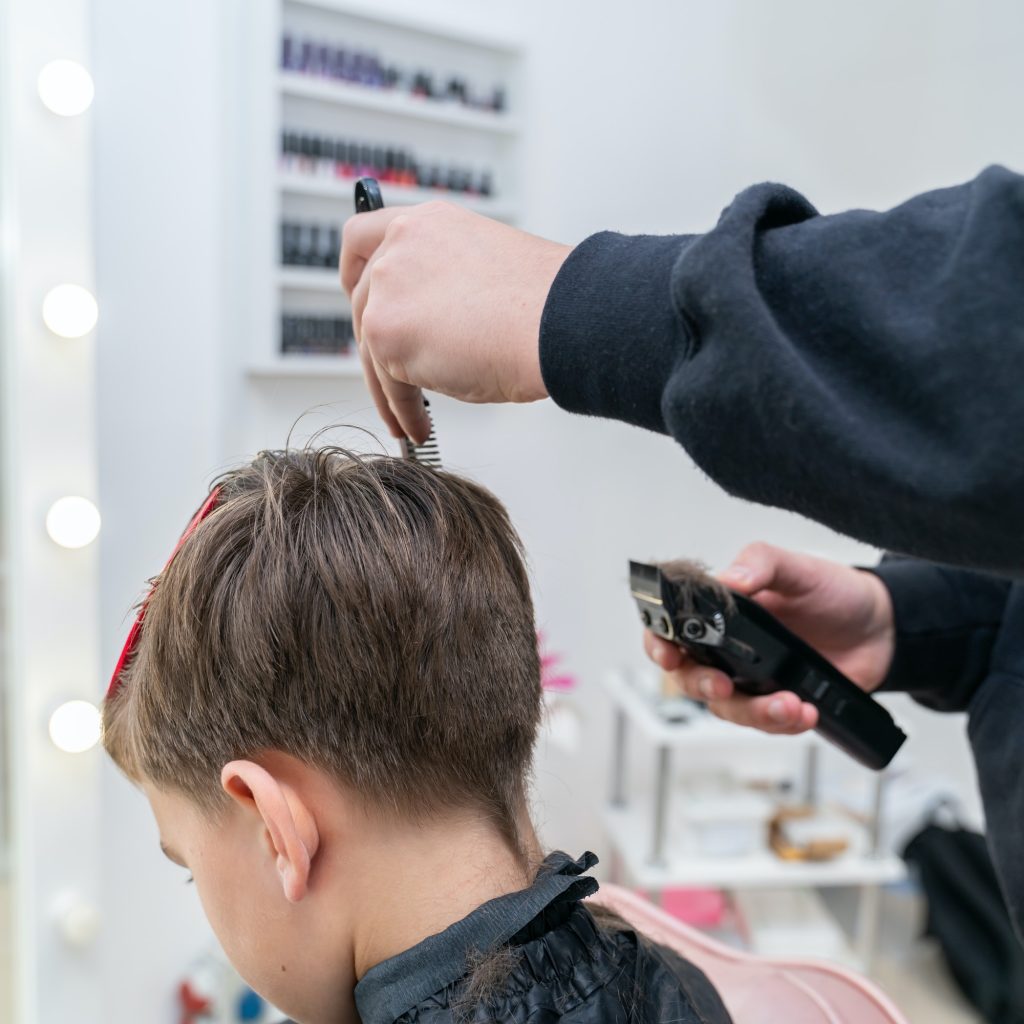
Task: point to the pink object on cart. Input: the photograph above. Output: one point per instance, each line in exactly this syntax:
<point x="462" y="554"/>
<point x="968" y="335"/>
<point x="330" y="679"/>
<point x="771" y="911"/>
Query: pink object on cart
<point x="760" y="990"/>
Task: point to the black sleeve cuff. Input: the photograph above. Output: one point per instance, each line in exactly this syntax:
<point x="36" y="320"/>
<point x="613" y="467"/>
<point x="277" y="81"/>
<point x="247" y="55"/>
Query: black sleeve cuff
<point x="946" y="623"/>
<point x="610" y="335"/>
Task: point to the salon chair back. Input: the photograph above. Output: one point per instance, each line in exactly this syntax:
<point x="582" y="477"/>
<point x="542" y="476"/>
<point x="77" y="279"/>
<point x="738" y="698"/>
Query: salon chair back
<point x="759" y="990"/>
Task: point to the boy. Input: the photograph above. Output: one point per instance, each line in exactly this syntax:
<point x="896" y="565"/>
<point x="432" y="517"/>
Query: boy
<point x="330" y="699"/>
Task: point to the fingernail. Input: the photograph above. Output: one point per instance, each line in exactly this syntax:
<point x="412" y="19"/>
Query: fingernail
<point x="777" y="711"/>
<point x="739" y="573"/>
<point x="706" y="685"/>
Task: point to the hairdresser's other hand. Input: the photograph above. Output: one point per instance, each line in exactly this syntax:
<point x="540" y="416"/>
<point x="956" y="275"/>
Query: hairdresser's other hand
<point x="447" y="300"/>
<point x="845" y="613"/>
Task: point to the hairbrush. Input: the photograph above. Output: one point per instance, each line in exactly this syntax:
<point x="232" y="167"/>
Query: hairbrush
<point x="681" y="603"/>
<point x="368" y="198"/>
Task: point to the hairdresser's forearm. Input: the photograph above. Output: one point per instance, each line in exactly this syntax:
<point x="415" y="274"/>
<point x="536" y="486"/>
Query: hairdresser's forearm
<point x="946" y="622"/>
<point x="863" y="369"/>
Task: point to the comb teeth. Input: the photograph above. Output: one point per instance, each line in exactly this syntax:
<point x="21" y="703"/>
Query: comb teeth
<point x="426" y="454"/>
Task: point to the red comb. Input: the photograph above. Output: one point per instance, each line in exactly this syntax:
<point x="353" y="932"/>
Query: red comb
<point x="136" y="631"/>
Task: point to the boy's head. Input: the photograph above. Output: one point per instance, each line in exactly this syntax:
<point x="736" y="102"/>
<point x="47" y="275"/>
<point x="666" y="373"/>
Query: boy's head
<point x="363" y="622"/>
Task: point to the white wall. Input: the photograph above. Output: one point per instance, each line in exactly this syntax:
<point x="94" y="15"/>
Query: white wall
<point x="159" y="253"/>
<point x="860" y="104"/>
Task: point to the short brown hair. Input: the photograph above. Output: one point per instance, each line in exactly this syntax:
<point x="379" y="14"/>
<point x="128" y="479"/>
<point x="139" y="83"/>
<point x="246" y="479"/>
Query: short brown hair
<point x="365" y="614"/>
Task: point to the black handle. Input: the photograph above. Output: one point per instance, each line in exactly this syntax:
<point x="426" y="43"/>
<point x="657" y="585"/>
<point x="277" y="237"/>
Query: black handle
<point x="368" y="195"/>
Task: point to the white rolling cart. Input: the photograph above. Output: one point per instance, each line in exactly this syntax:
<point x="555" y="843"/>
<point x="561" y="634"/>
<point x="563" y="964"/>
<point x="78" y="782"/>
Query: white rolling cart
<point x="638" y="827"/>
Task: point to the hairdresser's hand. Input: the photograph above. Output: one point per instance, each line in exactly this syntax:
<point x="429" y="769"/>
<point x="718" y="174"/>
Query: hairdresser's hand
<point x="447" y="300"/>
<point x="845" y="613"/>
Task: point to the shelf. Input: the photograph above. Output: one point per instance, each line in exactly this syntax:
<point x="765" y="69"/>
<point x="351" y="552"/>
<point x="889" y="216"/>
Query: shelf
<point x="310" y="279"/>
<point x="412" y="23"/>
<point x="701" y="731"/>
<point x="296" y="365"/>
<point x="396" y="103"/>
<point x="341" y="190"/>
<point x="630" y="830"/>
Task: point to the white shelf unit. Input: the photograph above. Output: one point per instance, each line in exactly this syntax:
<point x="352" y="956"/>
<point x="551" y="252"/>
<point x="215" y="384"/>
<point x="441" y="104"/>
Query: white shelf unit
<point x="342" y="190"/>
<point x="639" y="834"/>
<point x="303" y="366"/>
<point x="394" y="104"/>
<point x="437" y="133"/>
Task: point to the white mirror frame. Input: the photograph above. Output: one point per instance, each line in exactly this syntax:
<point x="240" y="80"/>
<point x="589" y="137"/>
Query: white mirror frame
<point x="47" y="404"/>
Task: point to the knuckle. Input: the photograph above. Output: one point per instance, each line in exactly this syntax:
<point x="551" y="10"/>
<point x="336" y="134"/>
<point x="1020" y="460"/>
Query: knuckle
<point x="398" y="228"/>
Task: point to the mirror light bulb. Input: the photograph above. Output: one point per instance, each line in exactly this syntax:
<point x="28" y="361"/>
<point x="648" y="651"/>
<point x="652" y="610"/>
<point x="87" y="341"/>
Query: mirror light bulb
<point x="70" y="310"/>
<point x="73" y="522"/>
<point x="75" y="726"/>
<point x="65" y="87"/>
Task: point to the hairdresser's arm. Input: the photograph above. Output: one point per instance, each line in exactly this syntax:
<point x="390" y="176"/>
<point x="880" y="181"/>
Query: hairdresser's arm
<point x="929" y="630"/>
<point x="864" y="368"/>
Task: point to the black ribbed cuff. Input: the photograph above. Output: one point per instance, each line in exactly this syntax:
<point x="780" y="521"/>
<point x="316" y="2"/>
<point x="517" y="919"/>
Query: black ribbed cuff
<point x="610" y="335"/>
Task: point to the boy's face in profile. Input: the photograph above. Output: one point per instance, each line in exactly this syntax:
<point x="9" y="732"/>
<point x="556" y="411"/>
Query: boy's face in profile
<point x="271" y="940"/>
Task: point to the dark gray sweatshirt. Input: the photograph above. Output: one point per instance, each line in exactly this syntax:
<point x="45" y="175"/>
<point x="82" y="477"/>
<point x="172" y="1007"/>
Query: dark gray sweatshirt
<point x="865" y="369"/>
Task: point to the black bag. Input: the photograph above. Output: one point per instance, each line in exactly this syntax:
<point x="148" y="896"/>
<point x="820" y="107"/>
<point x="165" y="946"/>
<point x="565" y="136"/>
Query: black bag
<point x="968" y="917"/>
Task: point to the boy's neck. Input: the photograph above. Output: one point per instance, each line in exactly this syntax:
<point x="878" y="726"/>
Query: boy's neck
<point x="418" y="879"/>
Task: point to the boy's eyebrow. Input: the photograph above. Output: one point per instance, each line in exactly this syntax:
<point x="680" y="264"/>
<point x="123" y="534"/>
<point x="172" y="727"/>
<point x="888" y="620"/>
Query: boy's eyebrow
<point x="171" y="855"/>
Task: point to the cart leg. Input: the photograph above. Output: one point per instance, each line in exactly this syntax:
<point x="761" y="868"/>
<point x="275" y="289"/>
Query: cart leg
<point x="661" y="794"/>
<point x="868" y="912"/>
<point x="811" y="776"/>
<point x="619" y="759"/>
<point x="616" y="874"/>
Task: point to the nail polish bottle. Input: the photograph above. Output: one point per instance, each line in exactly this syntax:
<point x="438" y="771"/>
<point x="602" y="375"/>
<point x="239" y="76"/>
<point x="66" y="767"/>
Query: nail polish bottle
<point x="390" y="168"/>
<point x="333" y="248"/>
<point x="287" y="52"/>
<point x="345" y="168"/>
<point x="305" y="161"/>
<point x="498" y="100"/>
<point x="378" y="161"/>
<point x="365" y="161"/>
<point x="326" y="168"/>
<point x="486" y="184"/>
<point x="315" y="150"/>
<point x="338" y="59"/>
<point x="323" y="59"/>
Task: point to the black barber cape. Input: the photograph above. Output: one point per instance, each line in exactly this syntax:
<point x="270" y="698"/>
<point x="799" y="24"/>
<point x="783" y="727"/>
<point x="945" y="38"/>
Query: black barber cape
<point x="567" y="968"/>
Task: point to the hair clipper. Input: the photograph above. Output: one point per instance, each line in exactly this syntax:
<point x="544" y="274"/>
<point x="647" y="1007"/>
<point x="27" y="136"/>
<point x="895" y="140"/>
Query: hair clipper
<point x="730" y="632"/>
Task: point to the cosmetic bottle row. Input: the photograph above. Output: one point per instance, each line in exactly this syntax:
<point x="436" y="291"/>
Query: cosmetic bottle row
<point x="343" y="63"/>
<point x="309" y="245"/>
<point x="340" y="158"/>
<point x="316" y="335"/>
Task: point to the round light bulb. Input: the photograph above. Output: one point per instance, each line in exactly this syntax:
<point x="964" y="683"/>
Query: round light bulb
<point x="73" y="522"/>
<point x="70" y="310"/>
<point x="65" y="87"/>
<point x="75" y="726"/>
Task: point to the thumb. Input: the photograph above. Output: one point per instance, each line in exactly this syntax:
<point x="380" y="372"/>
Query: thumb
<point x="763" y="566"/>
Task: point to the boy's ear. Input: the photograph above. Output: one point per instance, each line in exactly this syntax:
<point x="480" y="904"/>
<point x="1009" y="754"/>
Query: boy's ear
<point x="291" y="828"/>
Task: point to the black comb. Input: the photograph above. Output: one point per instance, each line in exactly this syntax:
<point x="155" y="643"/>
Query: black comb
<point x="368" y="198"/>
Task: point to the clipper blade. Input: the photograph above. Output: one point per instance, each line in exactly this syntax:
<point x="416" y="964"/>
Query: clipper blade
<point x="690" y="578"/>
